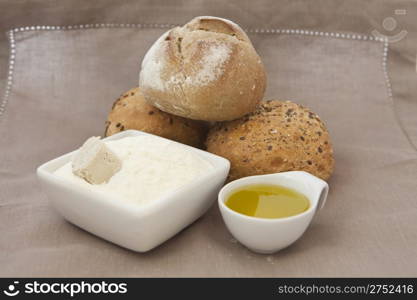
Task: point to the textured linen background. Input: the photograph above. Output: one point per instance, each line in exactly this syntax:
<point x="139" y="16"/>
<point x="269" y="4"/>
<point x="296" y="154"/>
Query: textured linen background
<point x="65" y="82"/>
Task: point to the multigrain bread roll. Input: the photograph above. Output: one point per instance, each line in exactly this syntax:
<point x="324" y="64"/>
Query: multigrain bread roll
<point x="277" y="137"/>
<point x="131" y="111"/>
<point x="206" y="70"/>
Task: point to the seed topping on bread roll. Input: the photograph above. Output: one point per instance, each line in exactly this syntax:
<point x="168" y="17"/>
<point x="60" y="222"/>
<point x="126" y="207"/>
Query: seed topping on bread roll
<point x="279" y="136"/>
<point x="131" y="111"/>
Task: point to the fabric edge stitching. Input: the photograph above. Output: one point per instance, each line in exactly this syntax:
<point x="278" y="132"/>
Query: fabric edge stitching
<point x="12" y="45"/>
<point x="9" y="77"/>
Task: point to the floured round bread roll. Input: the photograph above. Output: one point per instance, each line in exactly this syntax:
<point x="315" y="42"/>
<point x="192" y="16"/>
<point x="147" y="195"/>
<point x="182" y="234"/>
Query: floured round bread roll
<point x="206" y="70"/>
<point x="277" y="137"/>
<point x="131" y="111"/>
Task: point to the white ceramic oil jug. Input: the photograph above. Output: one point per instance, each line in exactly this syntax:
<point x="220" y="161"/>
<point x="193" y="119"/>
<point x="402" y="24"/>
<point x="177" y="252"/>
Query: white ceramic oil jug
<point x="270" y="235"/>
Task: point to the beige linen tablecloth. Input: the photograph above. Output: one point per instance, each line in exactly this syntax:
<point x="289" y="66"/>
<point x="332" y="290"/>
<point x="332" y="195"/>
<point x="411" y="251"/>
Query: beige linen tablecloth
<point x="63" y="81"/>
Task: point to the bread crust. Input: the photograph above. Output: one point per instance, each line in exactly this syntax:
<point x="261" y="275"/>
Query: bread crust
<point x="206" y="70"/>
<point x="279" y="136"/>
<point x="131" y="111"/>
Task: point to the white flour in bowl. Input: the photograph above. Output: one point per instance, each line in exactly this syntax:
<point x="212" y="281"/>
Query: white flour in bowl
<point x="151" y="168"/>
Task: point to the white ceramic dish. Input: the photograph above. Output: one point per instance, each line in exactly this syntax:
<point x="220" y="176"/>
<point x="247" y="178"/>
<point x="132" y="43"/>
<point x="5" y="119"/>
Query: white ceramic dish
<point x="139" y="228"/>
<point x="270" y="235"/>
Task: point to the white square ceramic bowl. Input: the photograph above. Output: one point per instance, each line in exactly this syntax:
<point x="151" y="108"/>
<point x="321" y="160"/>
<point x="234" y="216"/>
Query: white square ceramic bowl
<point x="139" y="228"/>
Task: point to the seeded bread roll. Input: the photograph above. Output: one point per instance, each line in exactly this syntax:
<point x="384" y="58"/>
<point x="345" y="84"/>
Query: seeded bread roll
<point x="131" y="111"/>
<point x="277" y="137"/>
<point x="206" y="70"/>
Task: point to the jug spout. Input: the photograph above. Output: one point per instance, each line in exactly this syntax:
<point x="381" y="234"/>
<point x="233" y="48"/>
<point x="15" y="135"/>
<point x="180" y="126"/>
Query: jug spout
<point x="318" y="189"/>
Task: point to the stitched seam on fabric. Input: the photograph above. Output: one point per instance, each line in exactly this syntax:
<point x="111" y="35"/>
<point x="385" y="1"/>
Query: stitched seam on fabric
<point x="391" y="98"/>
<point x="9" y="77"/>
<point x="12" y="55"/>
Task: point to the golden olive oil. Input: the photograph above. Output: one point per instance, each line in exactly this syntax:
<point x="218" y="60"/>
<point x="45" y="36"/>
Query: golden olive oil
<point x="267" y="201"/>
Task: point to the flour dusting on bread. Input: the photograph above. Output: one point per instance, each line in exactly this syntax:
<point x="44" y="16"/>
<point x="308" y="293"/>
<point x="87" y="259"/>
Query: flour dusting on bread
<point x="204" y="70"/>
<point x="212" y="65"/>
<point x="153" y="64"/>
